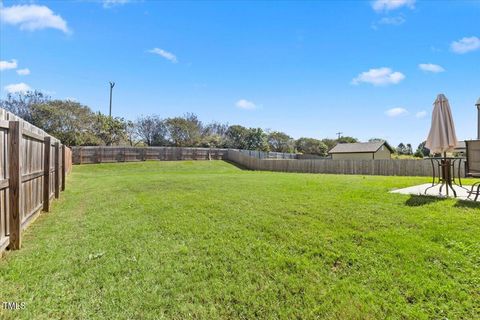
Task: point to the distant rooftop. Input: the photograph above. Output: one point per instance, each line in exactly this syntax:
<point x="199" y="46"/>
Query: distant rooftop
<point x="360" y="147"/>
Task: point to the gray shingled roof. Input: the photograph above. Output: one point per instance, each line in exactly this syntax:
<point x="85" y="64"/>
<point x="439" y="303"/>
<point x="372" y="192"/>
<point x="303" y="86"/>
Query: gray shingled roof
<point x="359" y="147"/>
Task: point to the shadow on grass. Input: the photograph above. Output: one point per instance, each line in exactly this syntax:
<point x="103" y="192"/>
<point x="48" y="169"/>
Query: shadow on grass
<point x="420" y="200"/>
<point x="239" y="166"/>
<point x="467" y="204"/>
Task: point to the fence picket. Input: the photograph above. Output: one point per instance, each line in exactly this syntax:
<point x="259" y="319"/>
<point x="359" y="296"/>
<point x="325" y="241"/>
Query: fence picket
<point x="25" y="176"/>
<point x="15" y="184"/>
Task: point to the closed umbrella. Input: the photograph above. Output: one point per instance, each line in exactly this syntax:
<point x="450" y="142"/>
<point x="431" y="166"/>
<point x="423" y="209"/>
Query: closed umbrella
<point x="442" y="137"/>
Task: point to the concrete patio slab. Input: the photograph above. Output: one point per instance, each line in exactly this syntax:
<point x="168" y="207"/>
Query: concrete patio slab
<point x="462" y="193"/>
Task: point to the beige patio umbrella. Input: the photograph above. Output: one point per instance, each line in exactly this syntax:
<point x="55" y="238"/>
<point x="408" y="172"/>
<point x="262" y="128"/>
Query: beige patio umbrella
<point x="442" y="137"/>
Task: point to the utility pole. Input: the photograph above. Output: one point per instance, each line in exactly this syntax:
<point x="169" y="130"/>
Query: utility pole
<point x="112" y="84"/>
<point x="339" y="134"/>
<point x="478" y="123"/>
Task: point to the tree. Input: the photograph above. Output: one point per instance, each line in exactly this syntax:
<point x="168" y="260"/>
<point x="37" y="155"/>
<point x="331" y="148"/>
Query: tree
<point x="21" y="104"/>
<point x="280" y="142"/>
<point x="376" y="140"/>
<point x="69" y="121"/>
<point x="131" y="135"/>
<point x="422" y="151"/>
<point x="256" y="140"/>
<point x="111" y="130"/>
<point x="311" y="146"/>
<point x="347" y="140"/>
<point x="330" y="143"/>
<point x="151" y="130"/>
<point x="215" y="128"/>
<point x="408" y="149"/>
<point x="401" y="148"/>
<point x="212" y="141"/>
<point x="237" y="137"/>
<point x="214" y="135"/>
<point x="184" y="131"/>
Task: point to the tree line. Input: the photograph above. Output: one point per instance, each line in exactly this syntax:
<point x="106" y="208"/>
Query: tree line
<point x="77" y="125"/>
<point x="406" y="149"/>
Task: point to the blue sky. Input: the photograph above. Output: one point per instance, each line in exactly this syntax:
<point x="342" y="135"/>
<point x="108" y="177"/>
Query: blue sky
<point x="367" y="69"/>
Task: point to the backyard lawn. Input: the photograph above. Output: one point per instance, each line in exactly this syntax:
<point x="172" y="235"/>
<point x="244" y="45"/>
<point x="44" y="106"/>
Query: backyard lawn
<point x="206" y="240"/>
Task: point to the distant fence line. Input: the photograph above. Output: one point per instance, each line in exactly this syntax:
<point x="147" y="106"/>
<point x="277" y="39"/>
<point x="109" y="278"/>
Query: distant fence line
<point x="268" y="155"/>
<point x="278" y="155"/>
<point x="257" y="160"/>
<point x="100" y="154"/>
<point x="84" y="155"/>
<point x="33" y="166"/>
<point x="391" y="167"/>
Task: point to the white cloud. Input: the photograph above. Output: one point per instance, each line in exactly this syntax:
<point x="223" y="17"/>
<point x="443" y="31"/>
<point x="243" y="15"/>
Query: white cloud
<point x="7" y="65"/>
<point x="388" y="5"/>
<point x="23" y="72"/>
<point x="165" y="54"/>
<point x="430" y="67"/>
<point x="465" y="45"/>
<point x="421" y="114"/>
<point x="245" y="104"/>
<point x="32" y="17"/>
<point x="396" y="112"/>
<point x="393" y="21"/>
<point x="379" y="77"/>
<point x="396" y="21"/>
<point x="17" y="87"/>
<point x="112" y="3"/>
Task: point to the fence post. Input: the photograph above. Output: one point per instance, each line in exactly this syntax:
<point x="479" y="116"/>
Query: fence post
<point x="15" y="183"/>
<point x="57" y="170"/>
<point x="46" y="174"/>
<point x="63" y="167"/>
<point x="98" y="153"/>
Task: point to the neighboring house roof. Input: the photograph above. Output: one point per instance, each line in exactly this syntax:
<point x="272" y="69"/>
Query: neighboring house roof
<point x="360" y="147"/>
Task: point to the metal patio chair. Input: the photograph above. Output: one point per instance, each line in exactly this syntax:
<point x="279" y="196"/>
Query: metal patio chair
<point x="473" y="166"/>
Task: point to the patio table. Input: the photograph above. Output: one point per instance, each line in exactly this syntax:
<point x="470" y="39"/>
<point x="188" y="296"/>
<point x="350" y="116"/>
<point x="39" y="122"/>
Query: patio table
<point x="443" y="173"/>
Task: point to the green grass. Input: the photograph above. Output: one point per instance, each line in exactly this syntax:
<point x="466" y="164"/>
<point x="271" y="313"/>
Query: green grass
<point x="206" y="240"/>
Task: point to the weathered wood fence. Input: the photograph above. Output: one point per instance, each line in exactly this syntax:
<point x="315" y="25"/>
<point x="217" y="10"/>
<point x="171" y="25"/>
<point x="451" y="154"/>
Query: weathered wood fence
<point x="257" y="160"/>
<point x="83" y="155"/>
<point x="33" y="166"/>
<point x="97" y="154"/>
<point x="393" y="167"/>
<point x="269" y="155"/>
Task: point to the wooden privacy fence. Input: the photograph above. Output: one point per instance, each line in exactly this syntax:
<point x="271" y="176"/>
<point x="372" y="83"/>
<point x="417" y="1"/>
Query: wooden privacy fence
<point x="268" y="155"/>
<point x="256" y="160"/>
<point x="364" y="167"/>
<point x="82" y="155"/>
<point x="33" y="166"/>
<point x="98" y="154"/>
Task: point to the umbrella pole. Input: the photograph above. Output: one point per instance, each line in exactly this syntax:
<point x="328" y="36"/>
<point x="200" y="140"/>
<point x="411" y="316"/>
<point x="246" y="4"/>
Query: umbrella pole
<point x="447" y="174"/>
